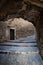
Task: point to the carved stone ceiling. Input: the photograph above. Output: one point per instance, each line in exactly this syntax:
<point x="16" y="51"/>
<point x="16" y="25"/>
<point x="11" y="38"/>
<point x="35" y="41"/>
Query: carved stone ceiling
<point x="17" y="6"/>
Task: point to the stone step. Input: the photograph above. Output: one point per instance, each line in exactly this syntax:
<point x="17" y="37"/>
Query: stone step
<point x="18" y="49"/>
<point x="19" y="44"/>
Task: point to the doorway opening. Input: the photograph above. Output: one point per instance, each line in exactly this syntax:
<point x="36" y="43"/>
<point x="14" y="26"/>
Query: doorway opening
<point x="11" y="34"/>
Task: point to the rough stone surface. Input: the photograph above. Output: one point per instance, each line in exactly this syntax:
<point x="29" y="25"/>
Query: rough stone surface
<point x="20" y="53"/>
<point x="22" y="8"/>
<point x="22" y="28"/>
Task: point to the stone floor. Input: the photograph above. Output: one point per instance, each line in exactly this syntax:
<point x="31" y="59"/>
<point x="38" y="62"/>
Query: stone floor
<point x="24" y="53"/>
<point x="20" y="59"/>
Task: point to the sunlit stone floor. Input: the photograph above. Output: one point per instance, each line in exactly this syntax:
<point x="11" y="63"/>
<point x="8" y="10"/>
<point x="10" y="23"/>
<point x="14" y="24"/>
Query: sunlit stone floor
<point x="20" y="59"/>
<point x="22" y="54"/>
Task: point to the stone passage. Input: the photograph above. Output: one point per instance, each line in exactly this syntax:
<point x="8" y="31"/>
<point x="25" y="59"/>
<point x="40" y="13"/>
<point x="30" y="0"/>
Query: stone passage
<point x="31" y="10"/>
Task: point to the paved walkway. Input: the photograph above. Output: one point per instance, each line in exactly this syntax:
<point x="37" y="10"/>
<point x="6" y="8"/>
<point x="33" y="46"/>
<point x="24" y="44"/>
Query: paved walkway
<point x="20" y="52"/>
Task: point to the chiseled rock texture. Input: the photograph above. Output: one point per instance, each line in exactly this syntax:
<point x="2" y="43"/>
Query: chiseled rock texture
<point x="22" y="28"/>
<point x="31" y="10"/>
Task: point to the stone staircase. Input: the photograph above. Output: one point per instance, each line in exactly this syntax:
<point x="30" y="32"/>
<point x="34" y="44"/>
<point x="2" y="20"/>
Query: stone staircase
<point x="20" y="52"/>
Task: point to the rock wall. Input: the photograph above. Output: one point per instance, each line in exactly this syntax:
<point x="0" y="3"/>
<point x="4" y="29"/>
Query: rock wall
<point x="2" y="31"/>
<point x="27" y="9"/>
<point x="21" y="27"/>
<point x="41" y="32"/>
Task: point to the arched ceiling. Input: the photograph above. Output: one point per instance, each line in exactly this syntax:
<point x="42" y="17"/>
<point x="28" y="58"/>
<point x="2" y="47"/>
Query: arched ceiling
<point x="27" y="9"/>
<point x="35" y="2"/>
